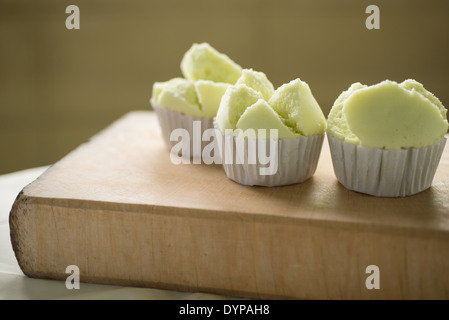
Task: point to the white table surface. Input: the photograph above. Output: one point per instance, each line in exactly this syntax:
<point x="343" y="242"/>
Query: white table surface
<point x="14" y="285"/>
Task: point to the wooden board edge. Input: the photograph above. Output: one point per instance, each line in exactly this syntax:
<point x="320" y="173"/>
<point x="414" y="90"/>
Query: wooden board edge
<point x="407" y="274"/>
<point x="18" y="232"/>
<point x="360" y="226"/>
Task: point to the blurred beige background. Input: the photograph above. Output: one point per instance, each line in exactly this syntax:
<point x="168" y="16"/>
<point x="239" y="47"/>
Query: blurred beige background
<point x="58" y="87"/>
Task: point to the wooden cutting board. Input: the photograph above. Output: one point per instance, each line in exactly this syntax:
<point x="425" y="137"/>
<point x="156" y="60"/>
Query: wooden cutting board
<point x="120" y="210"/>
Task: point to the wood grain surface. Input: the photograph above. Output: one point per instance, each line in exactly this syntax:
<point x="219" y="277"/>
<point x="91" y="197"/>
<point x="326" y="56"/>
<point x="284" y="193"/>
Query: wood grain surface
<point x="120" y="210"/>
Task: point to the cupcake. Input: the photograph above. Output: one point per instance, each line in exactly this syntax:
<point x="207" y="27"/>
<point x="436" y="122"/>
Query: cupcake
<point x="269" y="137"/>
<point x="386" y="140"/>
<point x="190" y="103"/>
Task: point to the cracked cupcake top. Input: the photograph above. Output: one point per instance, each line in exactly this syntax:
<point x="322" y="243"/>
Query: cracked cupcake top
<point x="254" y="104"/>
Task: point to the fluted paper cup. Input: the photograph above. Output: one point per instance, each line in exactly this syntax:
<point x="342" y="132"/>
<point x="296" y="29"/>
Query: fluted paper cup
<point x="194" y="128"/>
<point x="292" y="160"/>
<point x="385" y="173"/>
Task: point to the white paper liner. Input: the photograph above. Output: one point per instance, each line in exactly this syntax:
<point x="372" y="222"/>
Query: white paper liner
<point x="297" y="160"/>
<point x="170" y="120"/>
<point x="385" y="173"/>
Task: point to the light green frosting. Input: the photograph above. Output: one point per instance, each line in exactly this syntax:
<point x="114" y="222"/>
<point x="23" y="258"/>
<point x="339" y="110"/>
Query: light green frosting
<point x="178" y="95"/>
<point x="203" y="62"/>
<point x="234" y="103"/>
<point x="261" y="116"/>
<point x="209" y="96"/>
<point x="291" y="109"/>
<point x="207" y="74"/>
<point x="298" y="108"/>
<point x="195" y="98"/>
<point x="258" y="81"/>
<point x="388" y="115"/>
